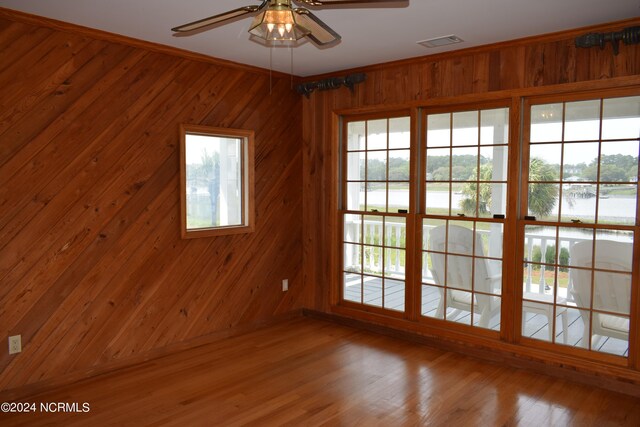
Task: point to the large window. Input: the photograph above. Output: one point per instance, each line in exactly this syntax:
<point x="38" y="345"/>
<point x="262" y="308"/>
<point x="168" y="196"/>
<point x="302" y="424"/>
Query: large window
<point x="466" y="163"/>
<point x="376" y="194"/>
<point x="581" y="200"/>
<point x="522" y="233"/>
<point x="466" y="158"/>
<point x="216" y="169"/>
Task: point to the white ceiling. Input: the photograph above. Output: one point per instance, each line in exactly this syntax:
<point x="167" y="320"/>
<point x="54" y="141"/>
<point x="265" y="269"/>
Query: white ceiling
<point x="369" y="35"/>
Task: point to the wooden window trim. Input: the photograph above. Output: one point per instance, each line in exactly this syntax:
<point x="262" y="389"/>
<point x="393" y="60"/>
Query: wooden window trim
<point x="633" y="358"/>
<point x="343" y="210"/>
<point x="510" y="340"/>
<point x="507" y="222"/>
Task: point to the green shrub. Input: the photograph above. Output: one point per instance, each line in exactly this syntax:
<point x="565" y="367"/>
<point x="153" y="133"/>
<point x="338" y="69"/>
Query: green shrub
<point x="536" y="255"/>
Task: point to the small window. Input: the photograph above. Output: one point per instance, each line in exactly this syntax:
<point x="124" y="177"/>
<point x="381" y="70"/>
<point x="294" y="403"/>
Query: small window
<point x="216" y="181"/>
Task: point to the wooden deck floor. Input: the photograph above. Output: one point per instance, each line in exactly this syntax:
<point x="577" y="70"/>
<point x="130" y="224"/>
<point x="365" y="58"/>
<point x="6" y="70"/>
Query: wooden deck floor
<point x="535" y="325"/>
<point x="310" y="372"/>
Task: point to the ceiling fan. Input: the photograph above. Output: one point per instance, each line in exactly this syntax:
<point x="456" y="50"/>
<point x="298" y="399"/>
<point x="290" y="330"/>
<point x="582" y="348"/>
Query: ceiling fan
<point x="279" y="20"/>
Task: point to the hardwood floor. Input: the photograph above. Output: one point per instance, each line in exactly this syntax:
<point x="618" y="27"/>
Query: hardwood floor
<point x="310" y="372"/>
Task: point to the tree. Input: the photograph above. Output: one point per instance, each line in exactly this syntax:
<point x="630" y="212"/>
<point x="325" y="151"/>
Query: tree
<point x="437" y="162"/>
<point x="590" y="173"/>
<point x="613" y="168"/>
<point x="633" y="173"/>
<point x="441" y="174"/>
<point x="468" y="203"/>
<point x="613" y="173"/>
<point x="376" y="170"/>
<point x="461" y="173"/>
<point x="542" y="197"/>
<point x="398" y="169"/>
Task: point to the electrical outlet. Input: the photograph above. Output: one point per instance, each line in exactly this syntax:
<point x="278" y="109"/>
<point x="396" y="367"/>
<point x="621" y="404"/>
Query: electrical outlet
<point x="15" y="344"/>
<point x="285" y="285"/>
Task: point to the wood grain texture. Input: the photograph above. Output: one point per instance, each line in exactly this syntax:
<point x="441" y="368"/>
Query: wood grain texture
<point x="92" y="267"/>
<point x="310" y="372"/>
<point x="40" y="21"/>
<point x="509" y="71"/>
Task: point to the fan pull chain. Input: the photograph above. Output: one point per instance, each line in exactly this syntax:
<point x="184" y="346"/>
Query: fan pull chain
<point x="270" y="68"/>
<point x="291" y="73"/>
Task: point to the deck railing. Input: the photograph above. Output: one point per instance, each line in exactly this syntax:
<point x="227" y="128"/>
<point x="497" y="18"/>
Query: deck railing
<point x="391" y="261"/>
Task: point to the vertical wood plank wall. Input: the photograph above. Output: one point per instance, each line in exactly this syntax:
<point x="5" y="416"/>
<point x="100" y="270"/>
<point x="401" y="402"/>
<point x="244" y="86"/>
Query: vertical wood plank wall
<point x="550" y="61"/>
<point x="92" y="267"/>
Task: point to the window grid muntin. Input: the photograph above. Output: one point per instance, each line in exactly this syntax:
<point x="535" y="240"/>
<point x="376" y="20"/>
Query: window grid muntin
<point x="445" y="287"/>
<point x="452" y="184"/>
<point x="364" y="183"/>
<point x="476" y="183"/>
<point x="609" y="141"/>
<point x="557" y="213"/>
<point x="566" y="143"/>
<point x="379" y="246"/>
<point x="379" y="252"/>
<point x="556" y="303"/>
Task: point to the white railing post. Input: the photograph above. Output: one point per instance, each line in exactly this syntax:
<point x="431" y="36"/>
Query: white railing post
<point x="386" y="229"/>
<point x="529" y="260"/>
<point x="395" y="230"/>
<point x="543" y="269"/>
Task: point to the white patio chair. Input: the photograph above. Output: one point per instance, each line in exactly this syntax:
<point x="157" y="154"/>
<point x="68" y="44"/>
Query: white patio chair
<point x="486" y="281"/>
<point x="459" y="274"/>
<point x="611" y="290"/>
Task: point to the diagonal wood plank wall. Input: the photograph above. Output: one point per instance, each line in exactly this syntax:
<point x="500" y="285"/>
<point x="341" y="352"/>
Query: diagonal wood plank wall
<point x="92" y="267"/>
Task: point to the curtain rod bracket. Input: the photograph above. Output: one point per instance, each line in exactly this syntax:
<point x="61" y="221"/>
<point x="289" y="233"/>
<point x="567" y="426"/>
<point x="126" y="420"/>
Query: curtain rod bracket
<point x="331" y="83"/>
<point x="630" y="35"/>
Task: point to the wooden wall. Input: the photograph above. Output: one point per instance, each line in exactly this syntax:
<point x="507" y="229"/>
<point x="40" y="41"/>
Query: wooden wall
<point x="547" y="62"/>
<point x="92" y="267"/>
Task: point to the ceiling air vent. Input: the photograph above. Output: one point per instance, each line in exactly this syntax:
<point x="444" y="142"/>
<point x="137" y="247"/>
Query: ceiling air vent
<point x="441" y="41"/>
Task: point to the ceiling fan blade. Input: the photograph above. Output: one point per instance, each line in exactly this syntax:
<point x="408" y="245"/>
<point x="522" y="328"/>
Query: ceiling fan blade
<point x="320" y="33"/>
<point x="339" y="2"/>
<point x="217" y="18"/>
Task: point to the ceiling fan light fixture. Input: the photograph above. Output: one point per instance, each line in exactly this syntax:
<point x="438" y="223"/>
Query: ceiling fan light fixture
<point x="278" y="23"/>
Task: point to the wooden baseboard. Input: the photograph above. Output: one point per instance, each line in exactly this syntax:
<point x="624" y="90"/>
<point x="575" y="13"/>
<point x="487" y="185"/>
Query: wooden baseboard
<point x="511" y="359"/>
<point x="34" y="389"/>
